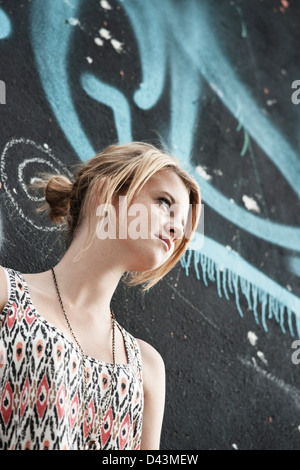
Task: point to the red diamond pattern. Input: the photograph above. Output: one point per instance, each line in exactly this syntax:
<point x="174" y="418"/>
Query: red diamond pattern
<point x="42" y="397"/>
<point x="6" y="402"/>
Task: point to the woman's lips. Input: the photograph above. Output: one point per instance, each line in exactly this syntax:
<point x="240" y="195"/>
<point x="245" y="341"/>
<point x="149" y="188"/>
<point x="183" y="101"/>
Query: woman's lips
<point x="166" y="242"/>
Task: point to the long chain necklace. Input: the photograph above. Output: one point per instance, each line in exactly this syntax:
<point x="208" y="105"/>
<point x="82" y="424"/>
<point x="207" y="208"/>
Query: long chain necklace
<point x="91" y="443"/>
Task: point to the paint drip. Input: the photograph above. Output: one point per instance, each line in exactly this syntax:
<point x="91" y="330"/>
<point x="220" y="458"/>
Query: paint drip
<point x="264" y="305"/>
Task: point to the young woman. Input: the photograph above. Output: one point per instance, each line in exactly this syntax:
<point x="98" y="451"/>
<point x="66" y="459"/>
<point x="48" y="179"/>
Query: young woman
<point x="70" y="376"/>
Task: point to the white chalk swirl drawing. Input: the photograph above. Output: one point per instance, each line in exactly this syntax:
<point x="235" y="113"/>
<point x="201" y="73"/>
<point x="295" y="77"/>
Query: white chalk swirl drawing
<point x="20" y="151"/>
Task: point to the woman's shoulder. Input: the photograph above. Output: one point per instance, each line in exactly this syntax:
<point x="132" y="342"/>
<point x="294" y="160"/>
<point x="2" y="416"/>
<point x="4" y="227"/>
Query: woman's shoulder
<point x="149" y="353"/>
<point x="11" y="288"/>
<point x="153" y="363"/>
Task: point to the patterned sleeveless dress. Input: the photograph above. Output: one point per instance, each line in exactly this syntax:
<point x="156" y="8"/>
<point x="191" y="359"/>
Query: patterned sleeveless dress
<point x="41" y="385"/>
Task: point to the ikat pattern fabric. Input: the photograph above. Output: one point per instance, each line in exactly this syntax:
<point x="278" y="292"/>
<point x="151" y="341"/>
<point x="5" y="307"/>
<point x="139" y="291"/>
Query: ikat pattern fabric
<point x="41" y="386"/>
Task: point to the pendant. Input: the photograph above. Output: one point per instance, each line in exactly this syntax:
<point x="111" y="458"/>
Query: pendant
<point x="93" y="445"/>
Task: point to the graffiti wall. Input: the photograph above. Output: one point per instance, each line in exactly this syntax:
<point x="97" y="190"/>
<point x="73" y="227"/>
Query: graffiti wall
<point x="213" y="81"/>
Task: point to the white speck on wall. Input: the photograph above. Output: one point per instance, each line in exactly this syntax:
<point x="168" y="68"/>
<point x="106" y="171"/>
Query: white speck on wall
<point x="117" y="45"/>
<point x="98" y="41"/>
<point x="104" y="33"/>
<point x="104" y="4"/>
<point x="201" y="170"/>
<point x="271" y="102"/>
<point x="235" y="446"/>
<point x="74" y="21"/>
<point x="252" y="338"/>
<point x="251" y="204"/>
<point x="89" y="59"/>
<point x="262" y="357"/>
<point x="46" y="146"/>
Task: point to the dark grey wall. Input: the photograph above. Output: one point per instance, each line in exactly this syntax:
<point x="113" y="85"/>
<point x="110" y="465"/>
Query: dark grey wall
<point x="213" y="78"/>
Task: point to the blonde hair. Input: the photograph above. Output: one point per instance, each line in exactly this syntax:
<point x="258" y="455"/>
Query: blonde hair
<point x="118" y="169"/>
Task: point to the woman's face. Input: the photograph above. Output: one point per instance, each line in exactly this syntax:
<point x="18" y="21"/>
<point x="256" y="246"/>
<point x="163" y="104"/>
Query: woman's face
<point x="156" y="218"/>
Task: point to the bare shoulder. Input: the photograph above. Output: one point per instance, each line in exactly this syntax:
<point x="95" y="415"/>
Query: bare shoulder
<point x="150" y="355"/>
<point x="153" y="363"/>
<point x="3" y="289"/>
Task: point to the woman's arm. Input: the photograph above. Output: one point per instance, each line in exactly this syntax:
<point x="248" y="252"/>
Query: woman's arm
<point x="154" y="396"/>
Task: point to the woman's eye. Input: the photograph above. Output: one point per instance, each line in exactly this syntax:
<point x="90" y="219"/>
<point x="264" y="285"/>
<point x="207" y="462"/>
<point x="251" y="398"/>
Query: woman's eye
<point x="165" y="201"/>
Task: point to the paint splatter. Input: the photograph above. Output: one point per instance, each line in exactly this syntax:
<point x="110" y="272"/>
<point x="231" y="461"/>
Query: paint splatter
<point x="250" y="204"/>
<point x="117" y="45"/>
<point x="262" y="357"/>
<point x="104" y="4"/>
<point x="271" y="102"/>
<point x="74" y="21"/>
<point x="252" y="338"/>
<point x="104" y="33"/>
<point x="98" y="41"/>
<point x="285" y="4"/>
<point x="201" y="170"/>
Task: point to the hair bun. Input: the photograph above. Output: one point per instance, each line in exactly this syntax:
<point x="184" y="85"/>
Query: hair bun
<point x="57" y="194"/>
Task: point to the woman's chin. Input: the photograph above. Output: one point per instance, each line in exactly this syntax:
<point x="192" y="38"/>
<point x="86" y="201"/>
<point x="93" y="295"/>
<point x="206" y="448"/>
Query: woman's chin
<point x="149" y="264"/>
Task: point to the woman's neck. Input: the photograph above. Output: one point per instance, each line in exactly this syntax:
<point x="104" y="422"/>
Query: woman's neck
<point x="91" y="281"/>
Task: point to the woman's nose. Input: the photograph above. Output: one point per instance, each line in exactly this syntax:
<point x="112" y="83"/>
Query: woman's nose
<point x="175" y="229"/>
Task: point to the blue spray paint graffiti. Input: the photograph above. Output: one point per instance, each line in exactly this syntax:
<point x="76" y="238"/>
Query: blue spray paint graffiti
<point x="164" y="36"/>
<point x="5" y="25"/>
<point x="112" y="97"/>
<point x="50" y="33"/>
